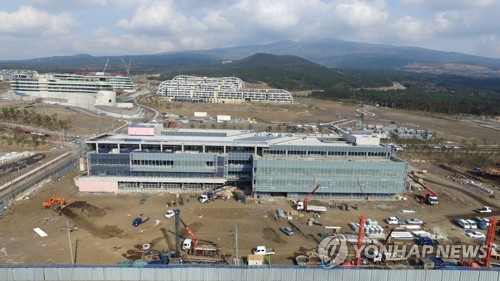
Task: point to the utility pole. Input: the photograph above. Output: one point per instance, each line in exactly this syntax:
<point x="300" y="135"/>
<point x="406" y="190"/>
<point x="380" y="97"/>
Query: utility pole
<point x="69" y="240"/>
<point x="236" y="254"/>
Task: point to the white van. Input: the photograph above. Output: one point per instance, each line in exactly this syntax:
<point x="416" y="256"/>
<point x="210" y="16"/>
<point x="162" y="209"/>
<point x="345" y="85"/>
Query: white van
<point x="472" y="224"/>
<point x="463" y="223"/>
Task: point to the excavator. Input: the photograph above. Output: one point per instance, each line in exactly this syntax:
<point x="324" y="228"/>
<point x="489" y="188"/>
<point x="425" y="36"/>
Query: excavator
<point x="55" y="201"/>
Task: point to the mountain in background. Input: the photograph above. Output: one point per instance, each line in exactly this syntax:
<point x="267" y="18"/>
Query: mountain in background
<point x="330" y="53"/>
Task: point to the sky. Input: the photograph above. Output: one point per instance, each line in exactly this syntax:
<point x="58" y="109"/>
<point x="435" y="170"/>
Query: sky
<point x="44" y="28"/>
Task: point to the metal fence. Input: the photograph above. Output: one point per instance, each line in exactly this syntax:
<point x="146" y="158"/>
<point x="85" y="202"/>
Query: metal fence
<point x="65" y="167"/>
<point x="206" y="273"/>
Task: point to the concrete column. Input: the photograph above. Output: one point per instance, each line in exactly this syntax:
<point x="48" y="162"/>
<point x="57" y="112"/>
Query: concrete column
<point x="140" y="147"/>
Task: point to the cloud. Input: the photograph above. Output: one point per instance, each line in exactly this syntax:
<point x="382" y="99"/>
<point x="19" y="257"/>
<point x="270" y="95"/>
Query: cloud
<point x="489" y="46"/>
<point x="450" y="4"/>
<point x="30" y="21"/>
<point x="447" y="20"/>
<point x="101" y="27"/>
<point x="360" y="14"/>
<point x="159" y="17"/>
<point x="73" y="4"/>
<point x="410" y="29"/>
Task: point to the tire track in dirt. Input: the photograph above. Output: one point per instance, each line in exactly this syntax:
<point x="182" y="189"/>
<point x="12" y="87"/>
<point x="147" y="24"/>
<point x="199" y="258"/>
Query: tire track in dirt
<point x="82" y="215"/>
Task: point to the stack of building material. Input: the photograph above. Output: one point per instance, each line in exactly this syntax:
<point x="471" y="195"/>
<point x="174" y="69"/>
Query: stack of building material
<point x="369" y="229"/>
<point x="402" y="235"/>
<point x="421" y="233"/>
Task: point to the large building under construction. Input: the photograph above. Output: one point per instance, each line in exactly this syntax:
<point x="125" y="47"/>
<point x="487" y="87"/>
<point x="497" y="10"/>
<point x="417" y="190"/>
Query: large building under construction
<point x="151" y="159"/>
<point x="218" y="90"/>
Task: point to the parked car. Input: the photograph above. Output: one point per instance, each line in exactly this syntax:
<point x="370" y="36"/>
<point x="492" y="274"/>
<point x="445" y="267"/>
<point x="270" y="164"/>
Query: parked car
<point x="475" y="234"/>
<point x="395" y="220"/>
<point x="414" y="221"/>
<point x="462" y="223"/>
<point x="287" y="230"/>
<point x="427" y="241"/>
<point x="472" y="223"/>
<point x="169" y="214"/>
<point x="140" y="220"/>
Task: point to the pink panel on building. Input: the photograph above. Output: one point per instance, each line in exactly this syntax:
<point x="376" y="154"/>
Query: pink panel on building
<point x="141" y="131"/>
<point x="91" y="185"/>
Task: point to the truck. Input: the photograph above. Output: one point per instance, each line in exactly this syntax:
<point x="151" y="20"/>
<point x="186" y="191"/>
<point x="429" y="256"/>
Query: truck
<point x="140" y="220"/>
<point x="484" y="209"/>
<point x="187" y="244"/>
<point x="307" y="207"/>
<point x="262" y="250"/>
<point x="310" y="208"/>
<point x="206" y="197"/>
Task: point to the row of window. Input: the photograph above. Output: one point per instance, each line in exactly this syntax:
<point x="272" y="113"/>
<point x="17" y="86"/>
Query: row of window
<point x="327" y="153"/>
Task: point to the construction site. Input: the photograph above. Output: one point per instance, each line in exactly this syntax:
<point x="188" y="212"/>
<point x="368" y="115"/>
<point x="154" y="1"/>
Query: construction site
<point x="224" y="225"/>
<point x="100" y="227"/>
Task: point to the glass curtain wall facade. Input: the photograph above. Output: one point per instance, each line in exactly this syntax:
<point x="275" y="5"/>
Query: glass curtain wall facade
<point x="351" y="179"/>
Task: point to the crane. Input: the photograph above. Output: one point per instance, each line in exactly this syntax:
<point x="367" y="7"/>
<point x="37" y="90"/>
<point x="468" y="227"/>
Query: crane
<point x="431" y="197"/>
<point x="361" y="234"/>
<point x="490" y="237"/>
<point x="316" y="186"/>
<point x="192" y="243"/>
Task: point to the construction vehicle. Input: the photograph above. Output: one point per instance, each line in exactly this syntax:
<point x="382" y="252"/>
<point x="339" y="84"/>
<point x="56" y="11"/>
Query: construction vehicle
<point x="187" y="244"/>
<point x="163" y="258"/>
<point x="310" y="208"/>
<point x="206" y="253"/>
<point x="430" y="197"/>
<point x="56" y="201"/>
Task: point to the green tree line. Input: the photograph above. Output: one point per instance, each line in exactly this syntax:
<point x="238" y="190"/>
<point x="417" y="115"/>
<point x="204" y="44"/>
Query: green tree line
<point x="30" y="117"/>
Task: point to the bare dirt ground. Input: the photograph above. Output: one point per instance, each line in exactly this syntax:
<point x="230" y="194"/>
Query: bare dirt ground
<point x="105" y="233"/>
<point x="303" y="110"/>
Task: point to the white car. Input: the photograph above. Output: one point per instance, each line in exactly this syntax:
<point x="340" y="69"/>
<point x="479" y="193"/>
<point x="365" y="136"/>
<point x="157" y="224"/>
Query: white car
<point x="414" y="221"/>
<point x="484" y="209"/>
<point x="169" y="214"/>
<point x="475" y="234"/>
<point x="392" y="220"/>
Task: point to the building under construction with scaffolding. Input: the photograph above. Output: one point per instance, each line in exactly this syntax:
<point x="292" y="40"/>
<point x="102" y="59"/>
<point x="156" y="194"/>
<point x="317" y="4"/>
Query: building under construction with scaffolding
<point x="218" y="90"/>
<point x="150" y="159"/>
